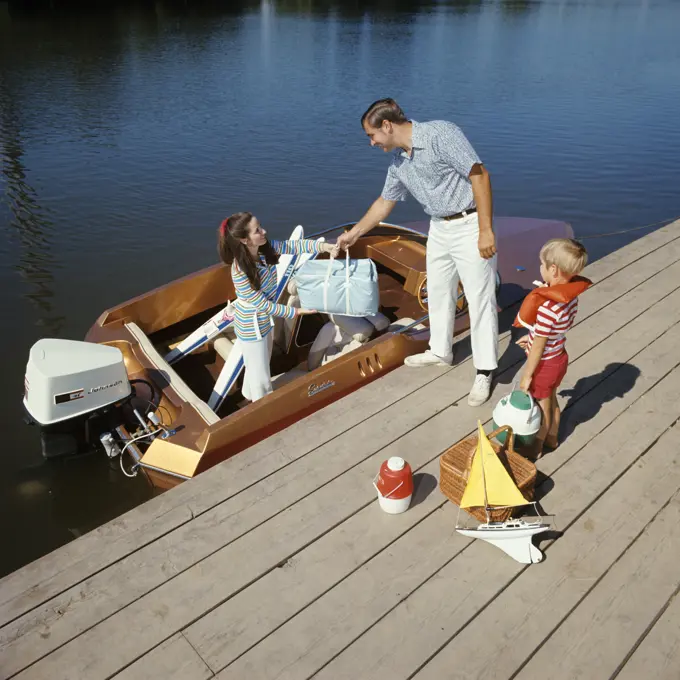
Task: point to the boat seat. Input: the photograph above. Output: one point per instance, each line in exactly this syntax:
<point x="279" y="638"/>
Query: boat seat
<point x="404" y="257"/>
<point x="283" y="328"/>
<point x="380" y="321"/>
<point x="400" y="255"/>
<point x="343" y="334"/>
<point x="223" y="345"/>
<point x="356" y="327"/>
<point x="330" y="343"/>
<point x="170" y="376"/>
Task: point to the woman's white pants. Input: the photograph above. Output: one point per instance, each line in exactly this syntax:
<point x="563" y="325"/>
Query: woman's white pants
<point x="257" y="381"/>
<point x="452" y="253"/>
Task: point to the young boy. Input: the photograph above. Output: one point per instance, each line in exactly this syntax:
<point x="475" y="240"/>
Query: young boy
<point x="549" y="312"/>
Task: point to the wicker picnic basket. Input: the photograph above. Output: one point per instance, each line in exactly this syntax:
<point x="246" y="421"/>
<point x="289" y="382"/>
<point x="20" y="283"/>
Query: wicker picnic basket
<point x="454" y="469"/>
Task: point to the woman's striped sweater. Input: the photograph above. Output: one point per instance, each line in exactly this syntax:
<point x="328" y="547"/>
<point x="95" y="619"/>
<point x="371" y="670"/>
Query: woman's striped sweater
<point x="247" y="319"/>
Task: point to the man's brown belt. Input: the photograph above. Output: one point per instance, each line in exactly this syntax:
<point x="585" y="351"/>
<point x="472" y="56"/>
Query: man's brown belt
<point x="463" y="213"/>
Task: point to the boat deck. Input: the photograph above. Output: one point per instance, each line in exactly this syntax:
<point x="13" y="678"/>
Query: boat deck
<point x="279" y="563"/>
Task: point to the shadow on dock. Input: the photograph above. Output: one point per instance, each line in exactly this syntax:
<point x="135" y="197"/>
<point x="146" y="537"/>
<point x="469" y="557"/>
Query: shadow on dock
<point x="613" y="382"/>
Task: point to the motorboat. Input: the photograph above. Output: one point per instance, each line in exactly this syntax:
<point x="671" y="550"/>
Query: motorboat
<point x="128" y="388"/>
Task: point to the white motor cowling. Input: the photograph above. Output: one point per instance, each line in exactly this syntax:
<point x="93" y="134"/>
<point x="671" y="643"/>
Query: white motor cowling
<point x="66" y="379"/>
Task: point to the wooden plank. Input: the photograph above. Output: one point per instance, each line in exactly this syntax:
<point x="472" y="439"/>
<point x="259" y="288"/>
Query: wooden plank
<point x="672" y="397"/>
<point x="68" y="566"/>
<point x="301" y="646"/>
<point x="599" y="633"/>
<point x="658" y="655"/>
<point x="603" y="320"/>
<point x="334" y="620"/>
<point x="50" y="575"/>
<point x="493" y="641"/>
<point x="355" y="408"/>
<point x="623" y="345"/>
<point x="175" y="659"/>
<point x="633" y="252"/>
<point x="220" y="643"/>
<point x="599" y="403"/>
<point x="80" y="608"/>
<point x="602" y="361"/>
<point x="242" y="621"/>
<point x="146" y="622"/>
<point x="609" y="287"/>
<point x="79" y="613"/>
<point x="22" y="648"/>
<point x="518" y="620"/>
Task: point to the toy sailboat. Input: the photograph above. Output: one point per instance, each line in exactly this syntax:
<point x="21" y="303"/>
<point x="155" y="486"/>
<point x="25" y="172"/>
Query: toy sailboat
<point x="490" y="486"/>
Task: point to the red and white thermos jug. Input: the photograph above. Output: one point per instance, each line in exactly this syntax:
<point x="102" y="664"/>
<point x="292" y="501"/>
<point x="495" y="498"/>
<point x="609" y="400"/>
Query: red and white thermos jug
<point x="394" y="484"/>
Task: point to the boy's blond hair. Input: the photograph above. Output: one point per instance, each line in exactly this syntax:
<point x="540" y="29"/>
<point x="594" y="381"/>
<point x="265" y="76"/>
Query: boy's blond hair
<point x="568" y="255"/>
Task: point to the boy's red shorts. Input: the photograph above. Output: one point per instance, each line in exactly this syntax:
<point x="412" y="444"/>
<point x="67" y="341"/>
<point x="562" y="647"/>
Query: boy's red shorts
<point x="548" y="376"/>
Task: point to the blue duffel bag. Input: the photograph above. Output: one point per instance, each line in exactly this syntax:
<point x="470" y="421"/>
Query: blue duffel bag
<point x="336" y="287"/>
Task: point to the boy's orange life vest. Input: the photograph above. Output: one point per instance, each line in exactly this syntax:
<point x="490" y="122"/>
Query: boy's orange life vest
<point x="563" y="292"/>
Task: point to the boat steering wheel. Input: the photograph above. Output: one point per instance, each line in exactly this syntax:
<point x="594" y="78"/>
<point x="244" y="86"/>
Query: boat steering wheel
<point x="461" y="302"/>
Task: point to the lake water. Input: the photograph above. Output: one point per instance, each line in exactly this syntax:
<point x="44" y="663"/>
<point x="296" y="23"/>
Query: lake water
<point x="128" y="133"/>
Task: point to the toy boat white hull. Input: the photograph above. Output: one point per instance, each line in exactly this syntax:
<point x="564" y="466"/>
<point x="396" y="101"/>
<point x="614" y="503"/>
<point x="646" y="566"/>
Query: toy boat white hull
<point x="513" y="538"/>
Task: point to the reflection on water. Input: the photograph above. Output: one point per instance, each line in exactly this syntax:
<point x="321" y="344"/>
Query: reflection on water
<point x="128" y="130"/>
<point x="28" y="223"/>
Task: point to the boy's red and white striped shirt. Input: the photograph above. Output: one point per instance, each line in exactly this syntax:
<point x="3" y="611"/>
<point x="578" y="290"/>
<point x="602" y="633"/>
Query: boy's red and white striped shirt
<point x="553" y="320"/>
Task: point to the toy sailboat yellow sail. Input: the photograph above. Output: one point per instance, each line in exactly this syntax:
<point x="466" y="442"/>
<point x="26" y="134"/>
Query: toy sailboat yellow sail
<point x="490" y="486"/>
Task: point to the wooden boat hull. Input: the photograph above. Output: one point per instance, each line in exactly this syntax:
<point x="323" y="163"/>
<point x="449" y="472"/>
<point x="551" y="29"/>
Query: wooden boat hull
<point x="142" y="326"/>
<point x="283" y="407"/>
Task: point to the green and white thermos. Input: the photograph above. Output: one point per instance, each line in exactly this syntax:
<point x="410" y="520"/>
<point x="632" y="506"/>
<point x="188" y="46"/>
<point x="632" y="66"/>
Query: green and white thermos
<point x="521" y="412"/>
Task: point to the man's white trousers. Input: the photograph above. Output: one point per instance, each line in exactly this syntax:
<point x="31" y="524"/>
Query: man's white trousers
<point x="453" y="254"/>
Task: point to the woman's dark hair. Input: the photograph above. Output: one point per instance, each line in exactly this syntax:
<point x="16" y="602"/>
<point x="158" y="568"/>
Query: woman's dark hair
<point x="230" y="248"/>
<point x="383" y="109"/>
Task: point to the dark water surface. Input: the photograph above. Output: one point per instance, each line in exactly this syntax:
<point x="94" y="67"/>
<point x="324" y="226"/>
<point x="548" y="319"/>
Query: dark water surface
<point x="127" y="133"/>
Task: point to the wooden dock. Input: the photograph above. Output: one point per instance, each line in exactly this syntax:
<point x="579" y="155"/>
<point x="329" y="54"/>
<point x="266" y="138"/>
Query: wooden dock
<point x="279" y="564"/>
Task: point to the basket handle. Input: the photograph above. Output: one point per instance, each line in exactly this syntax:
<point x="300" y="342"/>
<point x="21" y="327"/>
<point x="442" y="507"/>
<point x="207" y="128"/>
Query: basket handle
<point x="511" y="437"/>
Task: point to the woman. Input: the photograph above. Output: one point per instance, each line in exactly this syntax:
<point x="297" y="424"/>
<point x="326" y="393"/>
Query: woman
<point x="243" y="244"/>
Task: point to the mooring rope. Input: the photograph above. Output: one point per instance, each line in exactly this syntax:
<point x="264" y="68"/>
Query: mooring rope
<point x="626" y="231"/>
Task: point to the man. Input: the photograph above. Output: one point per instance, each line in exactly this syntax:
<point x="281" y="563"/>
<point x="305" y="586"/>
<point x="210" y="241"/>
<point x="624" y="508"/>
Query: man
<point x="435" y="163"/>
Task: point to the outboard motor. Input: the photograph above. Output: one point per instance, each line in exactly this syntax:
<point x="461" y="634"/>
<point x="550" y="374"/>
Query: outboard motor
<point x="73" y="391"/>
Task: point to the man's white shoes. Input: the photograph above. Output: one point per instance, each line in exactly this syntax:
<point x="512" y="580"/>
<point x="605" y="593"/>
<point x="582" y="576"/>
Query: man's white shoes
<point x="481" y="389"/>
<point x="427" y="358"/>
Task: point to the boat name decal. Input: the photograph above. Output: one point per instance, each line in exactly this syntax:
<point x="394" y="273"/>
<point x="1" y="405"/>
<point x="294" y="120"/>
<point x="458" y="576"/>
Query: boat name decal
<point x="315" y="389"/>
<point x="104" y="387"/>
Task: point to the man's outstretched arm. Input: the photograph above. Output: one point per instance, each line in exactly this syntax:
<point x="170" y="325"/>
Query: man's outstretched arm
<point x="377" y="213"/>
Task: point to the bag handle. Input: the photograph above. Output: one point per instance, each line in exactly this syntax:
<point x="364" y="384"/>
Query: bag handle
<point x="511" y="436"/>
<point x="327" y="280"/>
<point x="325" y="283"/>
<point x="347" y="288"/>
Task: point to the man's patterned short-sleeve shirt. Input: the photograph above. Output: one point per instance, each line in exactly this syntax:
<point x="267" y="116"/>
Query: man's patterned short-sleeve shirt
<point x="437" y="171"/>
